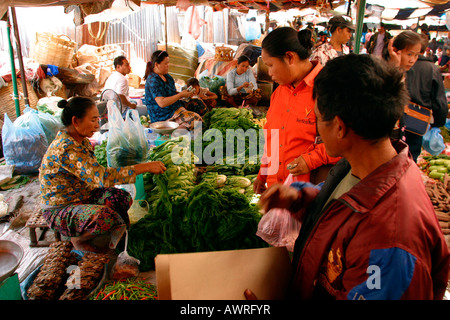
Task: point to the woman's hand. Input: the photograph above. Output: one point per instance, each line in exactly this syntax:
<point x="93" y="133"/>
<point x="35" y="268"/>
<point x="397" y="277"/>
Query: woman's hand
<point x="298" y="167"/>
<point x="155" y="167"/>
<point x="394" y="55"/>
<point x="186" y="94"/>
<point x="278" y="196"/>
<point x="259" y="186"/>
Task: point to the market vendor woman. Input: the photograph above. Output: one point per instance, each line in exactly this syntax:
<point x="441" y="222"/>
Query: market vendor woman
<point x="77" y="194"/>
<point x="161" y="97"/>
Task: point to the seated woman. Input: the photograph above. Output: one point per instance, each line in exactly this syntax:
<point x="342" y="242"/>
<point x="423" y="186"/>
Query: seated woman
<point x="77" y="194"/>
<point x="161" y="97"/>
<point x="241" y="87"/>
<point x="203" y="100"/>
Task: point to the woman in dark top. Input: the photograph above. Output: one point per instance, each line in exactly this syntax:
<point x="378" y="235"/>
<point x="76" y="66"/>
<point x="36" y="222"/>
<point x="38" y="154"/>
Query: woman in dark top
<point x="161" y="97"/>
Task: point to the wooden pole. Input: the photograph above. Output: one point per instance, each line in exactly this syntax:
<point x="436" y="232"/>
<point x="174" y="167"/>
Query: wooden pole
<point x="19" y="57"/>
<point x="165" y="26"/>
<point x="13" y="68"/>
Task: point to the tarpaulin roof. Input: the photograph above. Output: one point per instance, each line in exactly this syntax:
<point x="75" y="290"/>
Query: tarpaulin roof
<point x="393" y="9"/>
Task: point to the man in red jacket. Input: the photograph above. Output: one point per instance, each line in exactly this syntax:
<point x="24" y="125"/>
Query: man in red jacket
<point x="371" y="231"/>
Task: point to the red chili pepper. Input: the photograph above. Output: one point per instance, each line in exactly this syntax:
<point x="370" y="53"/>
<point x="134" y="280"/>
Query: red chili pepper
<point x="104" y="298"/>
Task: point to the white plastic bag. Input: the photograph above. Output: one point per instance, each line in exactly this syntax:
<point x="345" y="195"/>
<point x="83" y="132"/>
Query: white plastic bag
<point x="126" y="139"/>
<point x="278" y="227"/>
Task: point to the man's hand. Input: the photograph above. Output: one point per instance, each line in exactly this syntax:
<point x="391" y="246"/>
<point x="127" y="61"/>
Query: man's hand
<point x="278" y="196"/>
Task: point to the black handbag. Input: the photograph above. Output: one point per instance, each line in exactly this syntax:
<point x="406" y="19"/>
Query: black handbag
<point x="416" y="118"/>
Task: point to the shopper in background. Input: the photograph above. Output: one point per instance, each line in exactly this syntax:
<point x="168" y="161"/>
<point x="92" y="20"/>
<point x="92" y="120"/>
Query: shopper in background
<point x="341" y="31"/>
<point x="377" y="45"/>
<point x="161" y="97"/>
<point x="290" y="131"/>
<point x="426" y="88"/>
<point x="118" y="81"/>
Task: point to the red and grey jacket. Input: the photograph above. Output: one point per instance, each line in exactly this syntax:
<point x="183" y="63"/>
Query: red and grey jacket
<point x="381" y="240"/>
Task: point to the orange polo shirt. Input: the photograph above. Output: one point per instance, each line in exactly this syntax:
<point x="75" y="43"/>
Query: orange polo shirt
<point x="290" y="132"/>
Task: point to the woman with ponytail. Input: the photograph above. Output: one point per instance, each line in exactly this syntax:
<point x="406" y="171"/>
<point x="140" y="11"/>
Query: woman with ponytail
<point x="290" y="131"/>
<point x="161" y="97"/>
<point x="77" y="194"/>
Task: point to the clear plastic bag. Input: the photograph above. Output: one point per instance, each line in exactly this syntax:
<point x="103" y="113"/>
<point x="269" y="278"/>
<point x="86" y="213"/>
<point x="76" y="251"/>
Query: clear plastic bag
<point x="126" y="266"/>
<point x="49" y="123"/>
<point x="278" y="227"/>
<point x="126" y="139"/>
<point x="433" y="142"/>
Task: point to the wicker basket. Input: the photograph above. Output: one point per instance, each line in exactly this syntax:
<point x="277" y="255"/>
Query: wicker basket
<point x="224" y="54"/>
<point x="53" y="49"/>
<point x="7" y="102"/>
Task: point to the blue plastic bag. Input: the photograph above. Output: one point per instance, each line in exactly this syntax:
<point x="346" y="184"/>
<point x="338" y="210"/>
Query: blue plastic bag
<point x="49" y="123"/>
<point x="24" y="146"/>
<point x="433" y="142"/>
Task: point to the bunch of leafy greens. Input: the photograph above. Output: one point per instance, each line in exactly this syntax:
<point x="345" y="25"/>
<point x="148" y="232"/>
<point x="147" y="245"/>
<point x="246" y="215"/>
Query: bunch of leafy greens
<point x="100" y="153"/>
<point x="209" y="219"/>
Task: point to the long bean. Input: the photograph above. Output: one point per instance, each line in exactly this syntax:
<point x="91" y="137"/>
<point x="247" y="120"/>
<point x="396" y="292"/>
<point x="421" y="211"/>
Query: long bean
<point x="127" y="289"/>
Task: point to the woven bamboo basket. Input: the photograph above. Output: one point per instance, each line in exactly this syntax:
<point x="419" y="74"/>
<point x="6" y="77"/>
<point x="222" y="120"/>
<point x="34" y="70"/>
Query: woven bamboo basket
<point x="53" y="49"/>
<point x="7" y="104"/>
<point x="223" y="54"/>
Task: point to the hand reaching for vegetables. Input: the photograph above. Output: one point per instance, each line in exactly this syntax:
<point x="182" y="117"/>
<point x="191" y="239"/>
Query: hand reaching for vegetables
<point x="259" y="186"/>
<point x="155" y="167"/>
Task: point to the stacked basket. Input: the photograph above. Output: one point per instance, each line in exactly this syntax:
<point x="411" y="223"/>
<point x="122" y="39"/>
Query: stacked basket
<point x="53" y="49"/>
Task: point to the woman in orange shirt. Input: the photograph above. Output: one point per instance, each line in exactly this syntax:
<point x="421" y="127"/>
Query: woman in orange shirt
<point x="290" y="131"/>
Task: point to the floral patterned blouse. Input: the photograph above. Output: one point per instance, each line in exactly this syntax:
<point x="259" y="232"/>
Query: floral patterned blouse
<point x="70" y="171"/>
<point x="326" y="52"/>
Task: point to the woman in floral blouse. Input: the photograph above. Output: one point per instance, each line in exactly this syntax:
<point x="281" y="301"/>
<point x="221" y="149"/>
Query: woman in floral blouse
<point x="77" y="194"/>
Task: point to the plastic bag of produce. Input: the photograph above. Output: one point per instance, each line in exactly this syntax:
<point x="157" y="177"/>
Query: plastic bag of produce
<point x="24" y="146"/>
<point x="126" y="139"/>
<point x="49" y="123"/>
<point x="433" y="142"/>
<point x="213" y="84"/>
<point x="50" y="105"/>
<point x="278" y="227"/>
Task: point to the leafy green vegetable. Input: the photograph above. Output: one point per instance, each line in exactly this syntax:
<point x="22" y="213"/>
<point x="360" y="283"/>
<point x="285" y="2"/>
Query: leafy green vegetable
<point x="100" y="153"/>
<point x="209" y="219"/>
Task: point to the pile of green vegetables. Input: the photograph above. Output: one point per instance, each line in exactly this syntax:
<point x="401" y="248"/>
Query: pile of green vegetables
<point x="237" y="119"/>
<point x="178" y="180"/>
<point x="209" y="219"/>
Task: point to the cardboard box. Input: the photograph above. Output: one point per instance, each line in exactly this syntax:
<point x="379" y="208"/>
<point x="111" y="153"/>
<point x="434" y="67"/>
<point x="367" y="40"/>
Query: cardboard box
<point x="223" y="275"/>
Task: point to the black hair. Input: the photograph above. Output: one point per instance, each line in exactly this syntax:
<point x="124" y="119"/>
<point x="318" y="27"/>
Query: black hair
<point x="366" y="92"/>
<point x="405" y="39"/>
<point x="243" y="59"/>
<point x="118" y="61"/>
<point x="157" y="57"/>
<point x="192" y="82"/>
<point x="284" y="39"/>
<point x="76" y="106"/>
